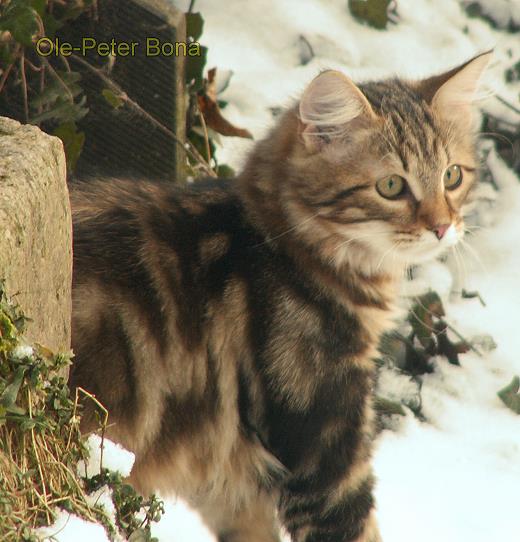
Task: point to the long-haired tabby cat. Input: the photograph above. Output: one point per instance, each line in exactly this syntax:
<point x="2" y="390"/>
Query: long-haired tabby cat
<point x="230" y="327"/>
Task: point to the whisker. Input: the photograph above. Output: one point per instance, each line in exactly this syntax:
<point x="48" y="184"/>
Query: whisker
<point x="475" y="255"/>
<point x="361" y="236"/>
<point x="389" y="251"/>
<point x="292" y="228"/>
<point x="499" y="136"/>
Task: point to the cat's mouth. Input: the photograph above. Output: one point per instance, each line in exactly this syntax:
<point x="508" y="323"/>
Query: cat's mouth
<point x="426" y="245"/>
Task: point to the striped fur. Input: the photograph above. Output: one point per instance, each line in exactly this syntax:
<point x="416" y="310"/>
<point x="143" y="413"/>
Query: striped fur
<point x="230" y="327"/>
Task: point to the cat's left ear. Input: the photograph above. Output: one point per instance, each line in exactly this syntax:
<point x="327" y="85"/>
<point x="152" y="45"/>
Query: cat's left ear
<point x="451" y="94"/>
<point x="330" y="107"/>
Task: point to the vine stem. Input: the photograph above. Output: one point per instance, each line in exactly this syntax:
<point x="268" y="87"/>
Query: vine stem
<point x="8" y="69"/>
<point x="24" y="87"/>
<point x="507" y="104"/>
<point x="187" y="147"/>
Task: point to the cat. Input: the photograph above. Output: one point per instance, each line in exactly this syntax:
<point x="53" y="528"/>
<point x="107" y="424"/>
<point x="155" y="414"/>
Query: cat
<point x="230" y="327"/>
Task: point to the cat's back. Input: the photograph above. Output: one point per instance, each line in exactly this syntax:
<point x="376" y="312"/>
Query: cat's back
<point x="114" y="220"/>
<point x="156" y="270"/>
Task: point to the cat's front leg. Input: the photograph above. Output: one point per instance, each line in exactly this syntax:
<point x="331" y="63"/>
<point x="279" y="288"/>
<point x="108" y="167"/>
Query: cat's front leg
<point x="329" y="495"/>
<point x="317" y="518"/>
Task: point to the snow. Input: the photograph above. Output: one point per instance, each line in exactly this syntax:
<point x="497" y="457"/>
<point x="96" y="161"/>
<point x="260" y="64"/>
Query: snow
<point x="115" y="458"/>
<point x="70" y="528"/>
<point x="22" y="351"/>
<point x="454" y="477"/>
<point x="182" y="522"/>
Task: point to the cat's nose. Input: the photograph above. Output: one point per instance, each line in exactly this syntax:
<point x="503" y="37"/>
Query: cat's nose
<point x="440" y="230"/>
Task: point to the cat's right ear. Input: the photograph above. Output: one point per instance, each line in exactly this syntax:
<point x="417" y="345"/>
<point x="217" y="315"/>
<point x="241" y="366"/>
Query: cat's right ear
<point x="328" y="106"/>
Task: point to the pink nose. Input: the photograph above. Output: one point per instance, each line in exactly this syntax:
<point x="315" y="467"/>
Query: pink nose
<point x="441" y="230"/>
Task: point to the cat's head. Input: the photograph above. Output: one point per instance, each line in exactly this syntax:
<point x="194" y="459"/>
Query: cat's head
<point x="384" y="168"/>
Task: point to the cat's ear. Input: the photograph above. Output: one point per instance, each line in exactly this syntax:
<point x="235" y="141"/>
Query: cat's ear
<point x="329" y="104"/>
<point x="451" y="94"/>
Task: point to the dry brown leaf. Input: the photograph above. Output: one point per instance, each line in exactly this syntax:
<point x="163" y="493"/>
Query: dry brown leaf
<point x="209" y="108"/>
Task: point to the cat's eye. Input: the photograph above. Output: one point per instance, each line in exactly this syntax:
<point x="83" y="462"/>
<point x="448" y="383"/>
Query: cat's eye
<point x="391" y="187"/>
<point x="452" y="177"/>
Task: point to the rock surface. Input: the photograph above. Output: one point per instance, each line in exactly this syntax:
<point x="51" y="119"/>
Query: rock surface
<point x="35" y="231"/>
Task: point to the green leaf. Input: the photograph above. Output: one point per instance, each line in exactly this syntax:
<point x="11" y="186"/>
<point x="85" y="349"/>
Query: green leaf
<point x="139" y="535"/>
<point x="112" y="98"/>
<point x="15" y="409"/>
<point x="388" y="407"/>
<point x="27" y="424"/>
<point x="225" y="171"/>
<point x="55" y="89"/>
<point x="195" y="69"/>
<point x="51" y="24"/>
<point x="73" y="142"/>
<point x="513" y="73"/>
<point x="194" y="25"/>
<point x="21" y="21"/>
<point x="39" y="6"/>
<point x="9" y="395"/>
<point x="63" y="111"/>
<point x="428" y="307"/>
<point x="509" y="395"/>
<point x="371" y="12"/>
<point x="7" y="329"/>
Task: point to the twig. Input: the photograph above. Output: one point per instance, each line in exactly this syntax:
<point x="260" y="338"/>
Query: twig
<point x="24" y="87"/>
<point x="5" y="75"/>
<point x="448" y="325"/>
<point x="507" y="104"/>
<point x="192" y="5"/>
<point x="462" y="338"/>
<point x="103" y="423"/>
<point x="58" y="78"/>
<point x="43" y="498"/>
<point x="206" y="137"/>
<point x="187" y="147"/>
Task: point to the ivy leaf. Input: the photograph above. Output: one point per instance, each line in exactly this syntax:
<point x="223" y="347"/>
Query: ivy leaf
<point x="510" y="396"/>
<point x="7" y="329"/>
<point x="9" y="395"/>
<point x="225" y="171"/>
<point x="209" y="108"/>
<point x="470" y="295"/>
<point x="194" y="25"/>
<point x="63" y="111"/>
<point x="388" y="407"/>
<point x="21" y="20"/>
<point x="448" y="348"/>
<point x="54" y="89"/>
<point x="139" y="535"/>
<point x="417" y="361"/>
<point x="39" y="6"/>
<point x="513" y="73"/>
<point x="195" y="69"/>
<point x="73" y="142"/>
<point x="371" y="12"/>
<point x="421" y="318"/>
<point x="112" y="98"/>
<point x="51" y="24"/>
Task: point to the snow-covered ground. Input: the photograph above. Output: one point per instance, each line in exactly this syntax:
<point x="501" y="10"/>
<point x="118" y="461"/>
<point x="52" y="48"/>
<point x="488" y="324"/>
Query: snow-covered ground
<point x="455" y="478"/>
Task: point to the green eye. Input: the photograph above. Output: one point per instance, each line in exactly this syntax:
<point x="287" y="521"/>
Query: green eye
<point x="452" y="177"/>
<point x="391" y="187"/>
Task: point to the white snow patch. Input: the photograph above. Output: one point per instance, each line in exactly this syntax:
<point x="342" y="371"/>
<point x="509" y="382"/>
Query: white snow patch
<point x="115" y="458"/>
<point x="181" y="523"/>
<point x="70" y="528"/>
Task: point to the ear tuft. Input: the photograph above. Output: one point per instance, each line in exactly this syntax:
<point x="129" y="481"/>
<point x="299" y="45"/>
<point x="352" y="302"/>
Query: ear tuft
<point x="328" y="105"/>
